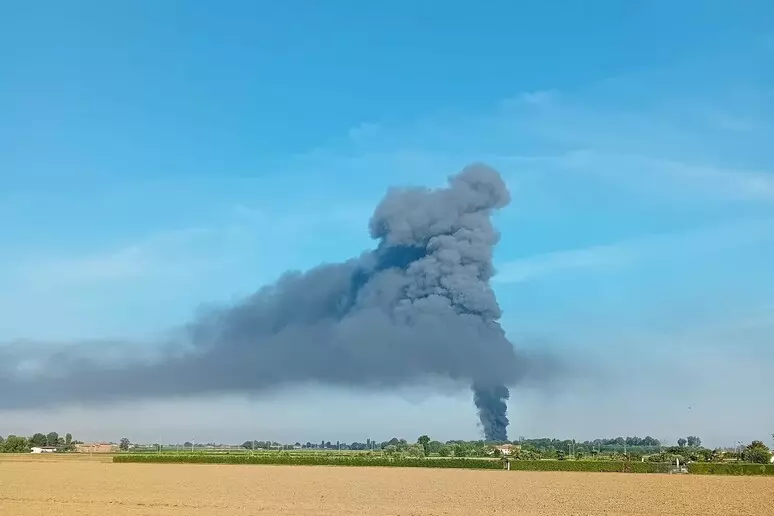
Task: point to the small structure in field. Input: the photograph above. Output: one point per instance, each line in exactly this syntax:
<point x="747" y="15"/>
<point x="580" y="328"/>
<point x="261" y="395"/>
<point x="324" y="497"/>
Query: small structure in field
<point x="507" y="449"/>
<point x="43" y="449"/>
<point x="96" y="448"/>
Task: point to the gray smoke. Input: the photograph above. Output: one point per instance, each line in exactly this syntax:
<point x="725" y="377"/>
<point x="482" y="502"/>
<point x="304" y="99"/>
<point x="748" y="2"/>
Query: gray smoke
<point x="417" y="307"/>
<point x="490" y="400"/>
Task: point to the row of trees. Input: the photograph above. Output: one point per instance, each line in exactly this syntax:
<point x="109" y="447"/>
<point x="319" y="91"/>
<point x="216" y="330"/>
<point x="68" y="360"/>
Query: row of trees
<point x="691" y="442"/>
<point x="18" y="444"/>
<point x="688" y="449"/>
<point x="543" y="445"/>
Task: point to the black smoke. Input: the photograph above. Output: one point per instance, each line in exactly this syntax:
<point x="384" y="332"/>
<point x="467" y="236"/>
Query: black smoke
<point x="491" y="403"/>
<point x="417" y="307"/>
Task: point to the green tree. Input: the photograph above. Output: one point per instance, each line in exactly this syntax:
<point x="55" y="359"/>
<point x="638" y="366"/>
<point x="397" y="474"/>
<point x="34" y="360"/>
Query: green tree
<point x="52" y="439"/>
<point x="462" y="450"/>
<point x="444" y="451"/>
<point x="434" y="447"/>
<point x="424" y="441"/>
<point x="390" y="449"/>
<point x="38" y="440"/>
<point x="756" y="452"/>
<point x="415" y="450"/>
<point x="693" y="441"/>
<point x="124" y="444"/>
<point x="682" y="442"/>
<point x="14" y="444"/>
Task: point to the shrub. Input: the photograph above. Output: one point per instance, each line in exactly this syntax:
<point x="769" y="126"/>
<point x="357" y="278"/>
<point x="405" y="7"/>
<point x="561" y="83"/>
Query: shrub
<point x="757" y="455"/>
<point x="590" y="466"/>
<point x="415" y="451"/>
<point x="714" y="468"/>
<point x="310" y="460"/>
<point x="527" y="455"/>
<point x="757" y="452"/>
<point x="361" y="460"/>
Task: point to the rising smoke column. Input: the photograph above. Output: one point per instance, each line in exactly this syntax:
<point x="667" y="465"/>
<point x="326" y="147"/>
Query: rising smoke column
<point x="417" y="307"/>
<point x="491" y="403"/>
<point x="454" y="232"/>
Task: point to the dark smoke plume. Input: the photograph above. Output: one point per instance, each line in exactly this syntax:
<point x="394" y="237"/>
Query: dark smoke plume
<point x="417" y="307"/>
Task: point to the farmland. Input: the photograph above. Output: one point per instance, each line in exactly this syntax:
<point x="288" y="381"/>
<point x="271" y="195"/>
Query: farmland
<point x="86" y="485"/>
<point x="380" y="460"/>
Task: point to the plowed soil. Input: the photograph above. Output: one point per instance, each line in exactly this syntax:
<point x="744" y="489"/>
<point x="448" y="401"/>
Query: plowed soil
<point x="94" y="487"/>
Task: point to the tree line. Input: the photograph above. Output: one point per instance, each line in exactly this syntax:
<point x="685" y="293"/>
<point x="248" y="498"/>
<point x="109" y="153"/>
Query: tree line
<point x="543" y="445"/>
<point x="650" y="449"/>
<point x="20" y="444"/>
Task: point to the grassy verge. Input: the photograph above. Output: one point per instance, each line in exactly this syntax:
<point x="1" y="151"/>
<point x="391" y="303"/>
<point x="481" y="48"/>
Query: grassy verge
<point x="712" y="468"/>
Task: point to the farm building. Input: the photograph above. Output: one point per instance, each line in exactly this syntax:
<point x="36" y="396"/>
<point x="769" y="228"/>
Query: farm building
<point x="43" y="449"/>
<point x="508" y="449"/>
<point x="96" y="448"/>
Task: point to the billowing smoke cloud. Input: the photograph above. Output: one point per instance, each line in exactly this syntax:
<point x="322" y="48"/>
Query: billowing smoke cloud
<point x="417" y="307"/>
<point x="490" y="401"/>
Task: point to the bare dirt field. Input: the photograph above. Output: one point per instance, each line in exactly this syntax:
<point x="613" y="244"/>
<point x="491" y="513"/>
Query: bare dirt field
<point x="91" y="486"/>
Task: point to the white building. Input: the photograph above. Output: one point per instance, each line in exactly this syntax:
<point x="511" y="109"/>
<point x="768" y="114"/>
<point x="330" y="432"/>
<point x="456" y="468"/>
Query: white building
<point x="43" y="449"/>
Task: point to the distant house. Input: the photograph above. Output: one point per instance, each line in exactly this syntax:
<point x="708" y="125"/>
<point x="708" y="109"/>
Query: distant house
<point x="507" y="449"/>
<point x="43" y="449"/>
<point x="96" y="448"/>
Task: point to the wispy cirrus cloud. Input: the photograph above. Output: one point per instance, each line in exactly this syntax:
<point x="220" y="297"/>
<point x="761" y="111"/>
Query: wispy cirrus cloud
<point x="155" y="254"/>
<point x="630" y="252"/>
<point x="671" y="177"/>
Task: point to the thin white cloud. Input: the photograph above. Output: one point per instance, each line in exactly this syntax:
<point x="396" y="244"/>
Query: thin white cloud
<point x="670" y="177"/>
<point x="148" y="256"/>
<point x="630" y="252"/>
<point x="661" y="151"/>
<point x="531" y="98"/>
<point x="347" y="216"/>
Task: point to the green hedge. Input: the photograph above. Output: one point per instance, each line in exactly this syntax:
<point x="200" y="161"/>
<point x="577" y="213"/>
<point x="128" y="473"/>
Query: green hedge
<point x="719" y="468"/>
<point x="590" y="466"/>
<point x="354" y="460"/>
<point x="310" y="460"/>
<point x="322" y="459"/>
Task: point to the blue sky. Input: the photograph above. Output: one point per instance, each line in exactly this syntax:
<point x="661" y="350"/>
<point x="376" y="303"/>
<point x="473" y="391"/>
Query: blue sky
<point x="156" y="156"/>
